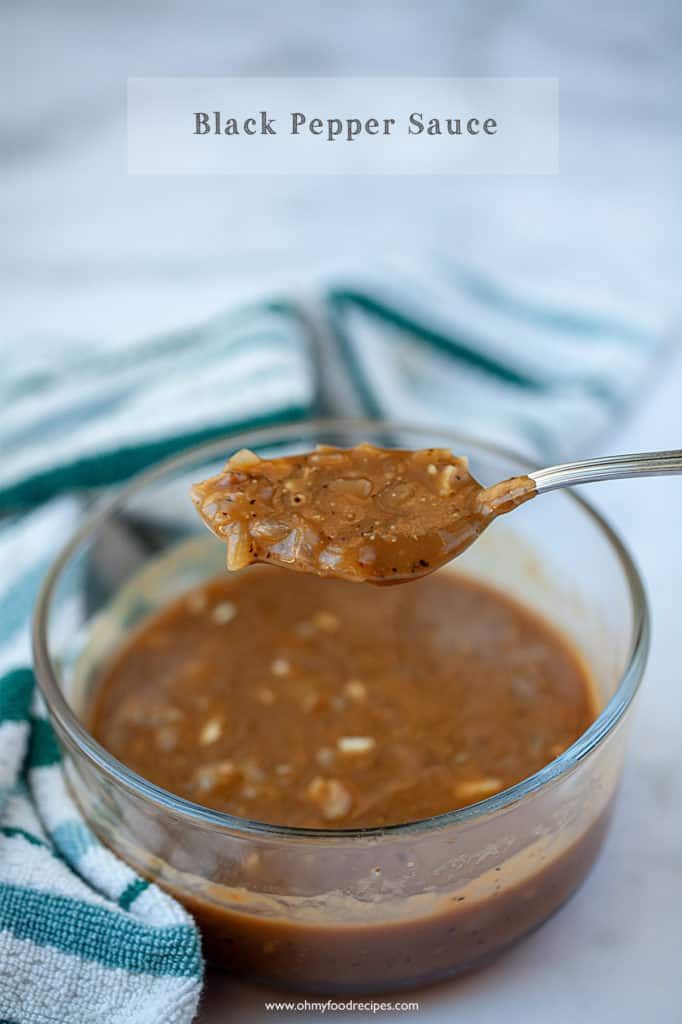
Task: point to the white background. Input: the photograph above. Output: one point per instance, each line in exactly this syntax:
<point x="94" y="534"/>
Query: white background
<point x="96" y="258"/>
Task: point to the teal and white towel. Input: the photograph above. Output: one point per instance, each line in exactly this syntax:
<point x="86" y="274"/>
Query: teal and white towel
<point x="535" y="369"/>
<point x="82" y="939"/>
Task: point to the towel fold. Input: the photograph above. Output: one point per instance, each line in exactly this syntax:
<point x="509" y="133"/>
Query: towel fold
<point x="81" y="937"/>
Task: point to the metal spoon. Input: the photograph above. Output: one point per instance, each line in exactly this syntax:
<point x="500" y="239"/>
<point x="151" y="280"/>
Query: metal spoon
<point x="328" y="512"/>
<point x="611" y="467"/>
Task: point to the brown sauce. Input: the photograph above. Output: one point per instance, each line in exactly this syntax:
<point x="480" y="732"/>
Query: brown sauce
<point x="360" y="514"/>
<point x="305" y="702"/>
<point x="293" y="700"/>
<point x="360" y="958"/>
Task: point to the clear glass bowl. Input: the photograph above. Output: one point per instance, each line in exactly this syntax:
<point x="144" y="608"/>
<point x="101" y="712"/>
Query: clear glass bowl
<point x="348" y="911"/>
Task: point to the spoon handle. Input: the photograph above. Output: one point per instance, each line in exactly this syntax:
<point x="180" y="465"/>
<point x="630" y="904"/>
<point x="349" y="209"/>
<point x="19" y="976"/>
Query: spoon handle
<point x="612" y="467"/>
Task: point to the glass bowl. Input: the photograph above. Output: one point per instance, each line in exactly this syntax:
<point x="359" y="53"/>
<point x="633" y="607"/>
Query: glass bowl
<point x="364" y="910"/>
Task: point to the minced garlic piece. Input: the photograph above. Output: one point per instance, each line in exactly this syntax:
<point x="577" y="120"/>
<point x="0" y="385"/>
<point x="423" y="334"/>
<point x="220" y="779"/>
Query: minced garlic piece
<point x="355" y="689"/>
<point x="210" y="732"/>
<point x="224" y="613"/>
<point x="331" y="796"/>
<point x="244" y="459"/>
<point x="478" y="789"/>
<point x="326" y="621"/>
<point x="356" y="744"/>
<point x="212" y="776"/>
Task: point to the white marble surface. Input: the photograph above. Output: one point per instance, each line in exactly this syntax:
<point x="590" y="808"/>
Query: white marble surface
<point x="101" y="259"/>
<point x="113" y="257"/>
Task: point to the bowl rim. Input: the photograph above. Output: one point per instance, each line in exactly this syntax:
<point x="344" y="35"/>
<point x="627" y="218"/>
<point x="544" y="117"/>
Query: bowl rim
<point x="79" y="738"/>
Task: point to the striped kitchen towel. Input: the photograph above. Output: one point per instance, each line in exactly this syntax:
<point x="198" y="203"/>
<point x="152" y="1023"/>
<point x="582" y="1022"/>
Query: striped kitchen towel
<point x="532" y="368"/>
<point x="538" y="369"/>
<point x="82" y="939"/>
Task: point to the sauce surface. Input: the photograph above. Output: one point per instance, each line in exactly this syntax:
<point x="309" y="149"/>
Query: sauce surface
<point x="380" y="515"/>
<point x="305" y="702"/>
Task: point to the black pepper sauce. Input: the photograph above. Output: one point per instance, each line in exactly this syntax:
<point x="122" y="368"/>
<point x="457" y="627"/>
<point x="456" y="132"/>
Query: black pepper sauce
<point x="361" y="514"/>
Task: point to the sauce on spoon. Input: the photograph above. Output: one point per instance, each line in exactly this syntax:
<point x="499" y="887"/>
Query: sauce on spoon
<point x="380" y="515"/>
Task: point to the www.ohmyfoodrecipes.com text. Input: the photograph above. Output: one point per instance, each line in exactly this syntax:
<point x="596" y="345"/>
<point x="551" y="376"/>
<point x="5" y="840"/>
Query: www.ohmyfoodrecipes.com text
<point x="341" y="1006"/>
